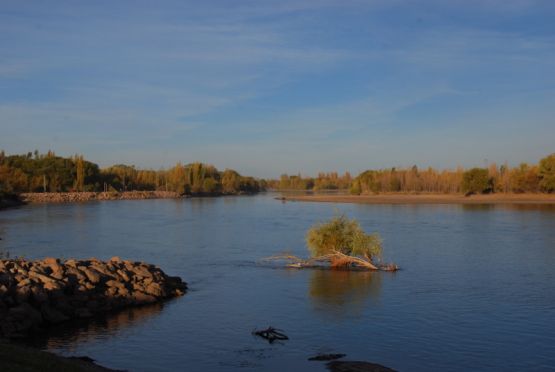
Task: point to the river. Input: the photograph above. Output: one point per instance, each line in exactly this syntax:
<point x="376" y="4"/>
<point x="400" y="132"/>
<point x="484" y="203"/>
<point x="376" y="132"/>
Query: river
<point x="476" y="290"/>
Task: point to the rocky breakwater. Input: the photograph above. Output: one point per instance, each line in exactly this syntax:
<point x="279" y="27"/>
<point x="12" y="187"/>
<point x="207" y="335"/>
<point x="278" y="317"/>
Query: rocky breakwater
<point x="36" y="294"/>
<point x="71" y="197"/>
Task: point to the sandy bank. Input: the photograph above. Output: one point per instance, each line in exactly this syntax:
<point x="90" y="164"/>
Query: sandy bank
<point x="428" y="199"/>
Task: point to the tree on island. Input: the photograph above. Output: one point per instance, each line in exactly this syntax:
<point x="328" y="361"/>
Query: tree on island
<point x="340" y="243"/>
<point x="345" y="236"/>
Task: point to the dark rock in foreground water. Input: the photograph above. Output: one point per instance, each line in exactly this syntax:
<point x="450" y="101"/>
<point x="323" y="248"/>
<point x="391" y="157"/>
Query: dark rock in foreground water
<point x="324" y="357"/>
<point x="347" y="366"/>
<point x="34" y="294"/>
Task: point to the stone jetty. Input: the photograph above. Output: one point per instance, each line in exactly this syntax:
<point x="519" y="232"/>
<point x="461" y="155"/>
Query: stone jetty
<point x="71" y="197"/>
<point x="36" y="294"/>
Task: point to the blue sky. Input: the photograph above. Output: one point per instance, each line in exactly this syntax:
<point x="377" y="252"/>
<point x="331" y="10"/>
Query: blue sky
<point x="268" y="87"/>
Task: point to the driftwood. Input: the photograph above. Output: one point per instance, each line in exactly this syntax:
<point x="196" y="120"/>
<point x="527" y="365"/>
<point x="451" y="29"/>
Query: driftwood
<point x="271" y="334"/>
<point x="335" y="260"/>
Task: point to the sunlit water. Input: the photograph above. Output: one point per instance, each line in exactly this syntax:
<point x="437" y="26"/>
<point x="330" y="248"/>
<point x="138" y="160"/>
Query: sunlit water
<point x="477" y="289"/>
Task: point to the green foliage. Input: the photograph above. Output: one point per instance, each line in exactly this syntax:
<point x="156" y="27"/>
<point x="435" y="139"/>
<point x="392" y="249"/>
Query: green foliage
<point x="355" y="187"/>
<point x="369" y="181"/>
<point x="476" y="180"/>
<point x="231" y="181"/>
<point x="211" y="186"/>
<point x="324" y="181"/>
<point x="33" y="172"/>
<point x="547" y="173"/>
<point x="341" y="234"/>
<point x="525" y="179"/>
<point x="44" y="172"/>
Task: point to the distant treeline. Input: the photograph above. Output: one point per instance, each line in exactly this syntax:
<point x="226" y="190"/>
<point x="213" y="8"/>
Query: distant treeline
<point x="493" y="179"/>
<point x="35" y="172"/>
<point x="324" y="181"/>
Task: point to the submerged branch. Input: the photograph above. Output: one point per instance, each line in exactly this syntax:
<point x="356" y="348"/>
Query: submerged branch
<point x="335" y="260"/>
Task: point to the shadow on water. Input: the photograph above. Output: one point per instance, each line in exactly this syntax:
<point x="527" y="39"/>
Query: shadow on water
<point x="99" y="327"/>
<point x="340" y="292"/>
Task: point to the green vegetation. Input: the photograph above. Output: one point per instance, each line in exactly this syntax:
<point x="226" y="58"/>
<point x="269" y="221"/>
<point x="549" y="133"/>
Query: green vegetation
<point x="547" y="173"/>
<point x="324" y="181"/>
<point x="524" y="178"/>
<point x="35" y="172"/>
<point x="339" y="243"/>
<point x="476" y="181"/>
<point x="345" y="236"/>
<point x="493" y="179"/>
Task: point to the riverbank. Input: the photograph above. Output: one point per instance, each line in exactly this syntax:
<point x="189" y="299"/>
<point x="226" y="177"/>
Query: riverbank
<point x="17" y="358"/>
<point x="426" y="198"/>
<point x="37" y="294"/>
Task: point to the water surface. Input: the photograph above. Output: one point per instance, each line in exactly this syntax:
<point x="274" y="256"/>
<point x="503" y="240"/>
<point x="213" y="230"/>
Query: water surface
<point x="477" y="289"/>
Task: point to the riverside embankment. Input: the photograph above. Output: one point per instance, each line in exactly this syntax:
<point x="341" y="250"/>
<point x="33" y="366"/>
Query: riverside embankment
<point x="36" y="294"/>
<point x="70" y="197"/>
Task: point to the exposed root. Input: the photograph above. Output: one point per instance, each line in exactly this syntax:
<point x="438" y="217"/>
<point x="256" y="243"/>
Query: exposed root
<point x="335" y="260"/>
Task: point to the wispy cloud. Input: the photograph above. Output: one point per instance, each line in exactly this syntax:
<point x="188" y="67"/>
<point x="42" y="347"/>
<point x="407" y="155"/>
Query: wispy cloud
<point x="329" y="81"/>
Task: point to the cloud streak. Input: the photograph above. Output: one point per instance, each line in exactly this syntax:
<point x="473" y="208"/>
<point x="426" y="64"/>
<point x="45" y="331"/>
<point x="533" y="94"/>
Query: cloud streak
<point x="327" y="83"/>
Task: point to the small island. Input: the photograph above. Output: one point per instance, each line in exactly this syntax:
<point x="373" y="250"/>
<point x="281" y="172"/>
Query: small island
<point x="340" y="243"/>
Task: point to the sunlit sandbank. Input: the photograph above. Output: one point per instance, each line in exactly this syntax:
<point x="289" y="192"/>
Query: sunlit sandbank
<point x="426" y="198"/>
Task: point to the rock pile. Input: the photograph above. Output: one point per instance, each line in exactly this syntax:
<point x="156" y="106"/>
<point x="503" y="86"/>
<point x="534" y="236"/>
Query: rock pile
<point x="70" y="197"/>
<point x="34" y="294"/>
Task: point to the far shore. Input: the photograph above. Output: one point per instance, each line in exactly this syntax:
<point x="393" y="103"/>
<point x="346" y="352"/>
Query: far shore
<point x="425" y="198"/>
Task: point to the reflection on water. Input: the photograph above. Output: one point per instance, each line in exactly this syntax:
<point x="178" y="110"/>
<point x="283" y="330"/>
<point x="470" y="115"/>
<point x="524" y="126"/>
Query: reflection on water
<point x="514" y="206"/>
<point x="78" y="332"/>
<point x="341" y="293"/>
<point x="478" y="207"/>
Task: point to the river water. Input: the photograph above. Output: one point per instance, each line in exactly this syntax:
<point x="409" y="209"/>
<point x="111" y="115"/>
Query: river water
<point x="476" y="290"/>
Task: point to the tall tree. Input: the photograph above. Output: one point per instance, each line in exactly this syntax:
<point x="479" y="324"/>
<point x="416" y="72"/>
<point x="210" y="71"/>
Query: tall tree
<point x="79" y="173"/>
<point x="547" y="173"/>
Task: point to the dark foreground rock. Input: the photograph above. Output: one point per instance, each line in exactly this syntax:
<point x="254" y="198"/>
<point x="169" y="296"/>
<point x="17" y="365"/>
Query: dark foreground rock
<point x="347" y="366"/>
<point x="325" y="357"/>
<point x="35" y="294"/>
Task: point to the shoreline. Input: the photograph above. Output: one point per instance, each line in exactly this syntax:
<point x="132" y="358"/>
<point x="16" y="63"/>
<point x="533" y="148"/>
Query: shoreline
<point x="16" y="357"/>
<point x="85" y="196"/>
<point x="548" y="199"/>
<point x="72" y="197"/>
